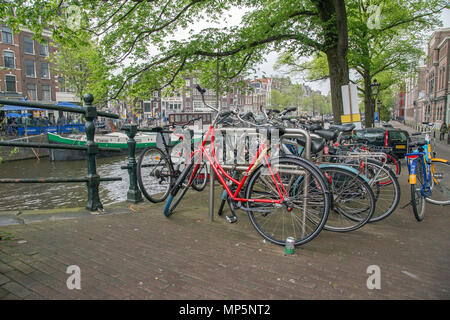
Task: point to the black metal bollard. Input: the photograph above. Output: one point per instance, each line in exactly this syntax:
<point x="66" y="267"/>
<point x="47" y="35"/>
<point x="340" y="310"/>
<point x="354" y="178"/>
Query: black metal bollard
<point x="93" y="183"/>
<point x="134" y="194"/>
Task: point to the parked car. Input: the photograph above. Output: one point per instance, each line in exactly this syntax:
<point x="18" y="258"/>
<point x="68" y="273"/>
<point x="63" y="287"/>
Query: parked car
<point x="395" y="138"/>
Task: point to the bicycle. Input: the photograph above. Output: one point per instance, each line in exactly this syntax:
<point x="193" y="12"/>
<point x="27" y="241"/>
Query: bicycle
<point x="284" y="197"/>
<point x="159" y="166"/>
<point x="428" y="176"/>
<point x="352" y="200"/>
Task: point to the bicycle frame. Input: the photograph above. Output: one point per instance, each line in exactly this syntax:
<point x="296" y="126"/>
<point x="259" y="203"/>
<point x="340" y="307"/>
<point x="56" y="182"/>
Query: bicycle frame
<point x="222" y="175"/>
<point x="424" y="157"/>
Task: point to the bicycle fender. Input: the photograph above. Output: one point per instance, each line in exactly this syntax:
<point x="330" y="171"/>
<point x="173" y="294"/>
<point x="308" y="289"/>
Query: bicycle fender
<point x="348" y="168"/>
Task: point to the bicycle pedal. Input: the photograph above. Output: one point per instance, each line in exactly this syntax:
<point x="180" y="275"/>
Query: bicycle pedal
<point x="231" y="218"/>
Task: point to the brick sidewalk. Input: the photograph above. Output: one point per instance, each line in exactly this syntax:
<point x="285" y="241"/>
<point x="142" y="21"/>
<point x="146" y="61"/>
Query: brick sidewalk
<point x="143" y="255"/>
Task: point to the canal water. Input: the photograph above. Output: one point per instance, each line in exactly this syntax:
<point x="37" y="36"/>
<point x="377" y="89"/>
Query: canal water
<point x="24" y="196"/>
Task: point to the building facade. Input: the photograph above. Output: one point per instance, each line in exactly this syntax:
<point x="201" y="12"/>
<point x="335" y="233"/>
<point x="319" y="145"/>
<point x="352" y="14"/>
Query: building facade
<point x="25" y="71"/>
<point x="437" y="77"/>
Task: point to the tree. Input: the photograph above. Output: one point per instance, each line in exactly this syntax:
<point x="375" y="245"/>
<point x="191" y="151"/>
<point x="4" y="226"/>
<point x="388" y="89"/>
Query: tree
<point x="384" y="40"/>
<point x="83" y="69"/>
<point x="126" y="28"/>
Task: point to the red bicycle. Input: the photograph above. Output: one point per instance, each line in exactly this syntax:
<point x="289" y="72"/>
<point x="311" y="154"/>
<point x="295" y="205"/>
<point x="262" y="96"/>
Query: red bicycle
<point x="283" y="196"/>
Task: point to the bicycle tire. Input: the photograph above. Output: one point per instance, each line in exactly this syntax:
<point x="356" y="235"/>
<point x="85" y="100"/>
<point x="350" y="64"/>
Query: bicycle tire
<point x="386" y="189"/>
<point x="319" y="198"/>
<point x="440" y="175"/>
<point x="179" y="189"/>
<point x="199" y="183"/>
<point x="417" y="199"/>
<point x="384" y="184"/>
<point x="154" y="179"/>
<point x="353" y="202"/>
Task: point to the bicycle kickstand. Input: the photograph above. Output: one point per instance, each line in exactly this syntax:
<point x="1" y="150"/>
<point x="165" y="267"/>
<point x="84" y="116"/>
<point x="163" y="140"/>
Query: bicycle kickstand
<point x="408" y="204"/>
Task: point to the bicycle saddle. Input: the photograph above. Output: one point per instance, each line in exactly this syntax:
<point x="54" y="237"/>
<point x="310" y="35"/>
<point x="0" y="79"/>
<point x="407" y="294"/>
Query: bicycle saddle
<point x="317" y="144"/>
<point x="343" y="127"/>
<point x="328" y="135"/>
<point x="312" y="127"/>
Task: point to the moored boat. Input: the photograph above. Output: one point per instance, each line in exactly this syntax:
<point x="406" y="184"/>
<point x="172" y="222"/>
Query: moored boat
<point x="116" y="140"/>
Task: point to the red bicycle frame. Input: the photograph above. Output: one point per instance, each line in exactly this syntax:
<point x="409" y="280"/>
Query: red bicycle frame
<point x="220" y="172"/>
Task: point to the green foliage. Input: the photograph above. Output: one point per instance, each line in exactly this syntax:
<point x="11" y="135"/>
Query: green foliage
<point x="84" y="69"/>
<point x="385" y="39"/>
<point x="139" y="37"/>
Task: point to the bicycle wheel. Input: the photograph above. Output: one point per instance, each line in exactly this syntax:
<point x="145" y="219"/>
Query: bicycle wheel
<point x="201" y="177"/>
<point x="417" y="199"/>
<point x="385" y="187"/>
<point x="307" y="204"/>
<point x="154" y="174"/>
<point x="440" y="183"/>
<point x="394" y="164"/>
<point x="180" y="187"/>
<point x="353" y="200"/>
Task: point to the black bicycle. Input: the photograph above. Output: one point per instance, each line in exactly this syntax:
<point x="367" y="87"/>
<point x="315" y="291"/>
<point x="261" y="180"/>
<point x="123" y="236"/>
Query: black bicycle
<point x="159" y="166"/>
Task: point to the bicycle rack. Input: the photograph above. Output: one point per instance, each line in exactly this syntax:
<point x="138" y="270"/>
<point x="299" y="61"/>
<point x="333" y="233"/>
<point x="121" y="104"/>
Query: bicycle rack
<point x="288" y="133"/>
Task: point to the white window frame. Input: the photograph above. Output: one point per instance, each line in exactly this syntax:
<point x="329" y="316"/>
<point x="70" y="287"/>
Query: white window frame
<point x="15" y="83"/>
<point x="48" y="69"/>
<point x="12" y="35"/>
<point x="14" y="58"/>
<point x="49" y="90"/>
<point x="34" y="64"/>
<point x="46" y="49"/>
<point x="35" y="91"/>
<point x="24" y="47"/>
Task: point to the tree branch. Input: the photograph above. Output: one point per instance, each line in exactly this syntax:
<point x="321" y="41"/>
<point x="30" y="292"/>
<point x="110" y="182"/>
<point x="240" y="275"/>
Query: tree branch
<point x="153" y="30"/>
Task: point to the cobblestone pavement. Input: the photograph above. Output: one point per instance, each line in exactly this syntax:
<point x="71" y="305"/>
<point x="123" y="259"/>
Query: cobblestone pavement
<point x="140" y="254"/>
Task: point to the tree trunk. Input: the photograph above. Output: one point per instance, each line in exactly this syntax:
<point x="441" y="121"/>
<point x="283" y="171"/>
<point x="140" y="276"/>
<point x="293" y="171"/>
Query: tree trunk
<point x="368" y="101"/>
<point x="334" y="17"/>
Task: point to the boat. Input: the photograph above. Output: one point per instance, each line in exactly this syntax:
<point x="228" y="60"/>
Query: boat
<point x="117" y="140"/>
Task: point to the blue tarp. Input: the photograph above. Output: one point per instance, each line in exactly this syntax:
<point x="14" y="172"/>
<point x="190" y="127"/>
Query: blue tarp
<point x="68" y="104"/>
<point x="67" y="128"/>
<point x="18" y="108"/>
<point x="13" y="115"/>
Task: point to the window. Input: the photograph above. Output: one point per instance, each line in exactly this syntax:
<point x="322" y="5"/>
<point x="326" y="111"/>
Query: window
<point x="46" y="96"/>
<point x="147" y="107"/>
<point x="31" y="89"/>
<point x="8" y="59"/>
<point x="29" y="45"/>
<point x="10" y="83"/>
<point x="43" y="49"/>
<point x="45" y="72"/>
<point x="61" y="84"/>
<point x="30" y="70"/>
<point x="7" y="35"/>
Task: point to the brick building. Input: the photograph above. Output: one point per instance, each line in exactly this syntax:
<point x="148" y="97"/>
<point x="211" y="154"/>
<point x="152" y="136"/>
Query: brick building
<point x="25" y="71"/>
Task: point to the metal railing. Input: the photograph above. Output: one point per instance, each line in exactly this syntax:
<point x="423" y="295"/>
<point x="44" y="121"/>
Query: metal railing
<point x="92" y="179"/>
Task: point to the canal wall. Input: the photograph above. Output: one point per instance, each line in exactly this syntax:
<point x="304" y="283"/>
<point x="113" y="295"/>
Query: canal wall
<point x="21" y="153"/>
